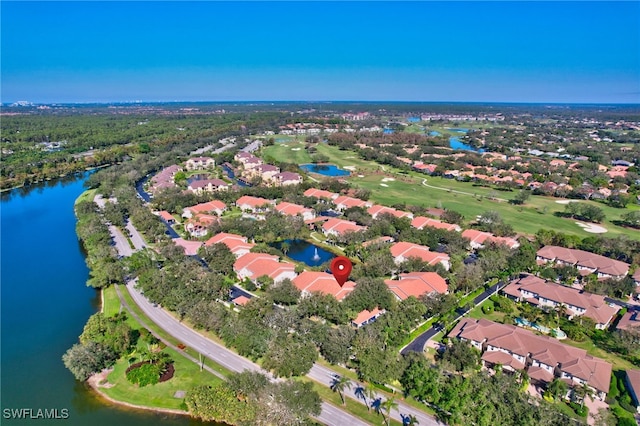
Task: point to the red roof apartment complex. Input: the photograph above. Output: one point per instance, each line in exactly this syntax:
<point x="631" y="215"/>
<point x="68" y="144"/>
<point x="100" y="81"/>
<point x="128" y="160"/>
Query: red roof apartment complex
<point x="544" y="357"/>
<point x="586" y="262"/>
<point x="403" y="251"/>
<point x="416" y="284"/>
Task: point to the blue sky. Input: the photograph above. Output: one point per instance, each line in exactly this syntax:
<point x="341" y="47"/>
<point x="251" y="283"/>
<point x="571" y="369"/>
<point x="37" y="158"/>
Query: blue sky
<point x="415" y="51"/>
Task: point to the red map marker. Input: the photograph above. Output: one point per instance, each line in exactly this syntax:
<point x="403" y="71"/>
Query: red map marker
<point x="341" y="268"/>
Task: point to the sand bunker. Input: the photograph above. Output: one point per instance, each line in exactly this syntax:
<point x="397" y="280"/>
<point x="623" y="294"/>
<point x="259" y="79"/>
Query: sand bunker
<point x="360" y="175"/>
<point x="567" y="201"/>
<point x="592" y="228"/>
<point x="388" y="179"/>
<point x="295" y="149"/>
<point x="384" y="184"/>
<point x="352" y="168"/>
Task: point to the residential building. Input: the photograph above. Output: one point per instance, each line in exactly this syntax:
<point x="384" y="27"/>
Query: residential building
<point x="254" y="265"/>
<point x="629" y="321"/>
<point x="338" y="227"/>
<point x="403" y="251"/>
<point x="167" y="217"/>
<point x="286" y="179"/>
<point x="200" y="163"/>
<point x="543" y="357"/>
<point x="309" y="282"/>
<point x="198" y="225"/>
<point x="291" y="209"/>
<point x="367" y="317"/>
<point x="237" y="244"/>
<point x="319" y="193"/>
<point x="377" y="210"/>
<point x="419" y="222"/>
<point x="551" y="295"/>
<point x="416" y="284"/>
<point x="254" y="204"/>
<point x="344" y="202"/>
<point x="586" y="262"/>
<point x="632" y="382"/>
<point x="207" y="185"/>
<point x="477" y="239"/>
<point x="215" y="206"/>
<point x="247" y="160"/>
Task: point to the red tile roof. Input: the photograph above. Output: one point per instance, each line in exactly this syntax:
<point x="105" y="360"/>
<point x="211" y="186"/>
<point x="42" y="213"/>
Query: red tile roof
<point x="377" y="210"/>
<point x="366" y="315"/>
<point x="406" y="250"/>
<point x="241" y="300"/>
<point x="166" y="215"/>
<point x="594" y="305"/>
<point x="595" y="371"/>
<point x="341" y="226"/>
<point x="312" y="281"/>
<point x="420" y="222"/>
<point x="208" y="207"/>
<point x="247" y="201"/>
<point x="585" y="259"/>
<point x="416" y="284"/>
<point x="291" y="209"/>
<point x="319" y="193"/>
<point x="348" y="202"/>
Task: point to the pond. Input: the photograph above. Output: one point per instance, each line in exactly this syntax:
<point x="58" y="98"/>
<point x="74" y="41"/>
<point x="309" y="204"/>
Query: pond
<point x="305" y="252"/>
<point x="324" y="169"/>
<point x="455" y="143"/>
<point x="458" y="129"/>
<point x="434" y="133"/>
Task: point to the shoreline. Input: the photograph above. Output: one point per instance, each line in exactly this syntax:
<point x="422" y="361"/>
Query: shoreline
<point x="93" y="384"/>
<point x="88" y="169"/>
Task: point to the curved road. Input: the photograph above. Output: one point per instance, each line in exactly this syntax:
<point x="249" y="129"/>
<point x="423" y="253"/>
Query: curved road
<point x="331" y="415"/>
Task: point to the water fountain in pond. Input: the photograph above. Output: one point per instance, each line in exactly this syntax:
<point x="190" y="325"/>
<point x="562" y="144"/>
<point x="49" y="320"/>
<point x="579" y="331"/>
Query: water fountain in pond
<point x="316" y="256"/>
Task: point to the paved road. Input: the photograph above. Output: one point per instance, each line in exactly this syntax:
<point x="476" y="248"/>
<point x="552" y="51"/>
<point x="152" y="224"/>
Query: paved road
<point x="418" y="344"/>
<point x="326" y="376"/>
<point x="331" y="415"/>
<point x="136" y="238"/>
<point x="121" y="243"/>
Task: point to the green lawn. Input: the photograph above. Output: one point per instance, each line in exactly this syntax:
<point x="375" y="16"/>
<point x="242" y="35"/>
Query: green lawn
<point x="470" y="200"/>
<point x="87" y="195"/>
<point x="111" y="302"/>
<point x="290" y="152"/>
<point x="160" y="395"/>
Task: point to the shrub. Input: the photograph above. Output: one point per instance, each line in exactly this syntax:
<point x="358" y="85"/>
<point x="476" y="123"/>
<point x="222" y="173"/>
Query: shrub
<point x="143" y="373"/>
<point x="581" y="411"/>
<point x="487" y="307"/>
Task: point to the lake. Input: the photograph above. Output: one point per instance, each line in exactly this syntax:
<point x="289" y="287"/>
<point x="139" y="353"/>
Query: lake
<point x="303" y="251"/>
<point x="45" y="304"/>
<point x="455" y="143"/>
<point x="324" y="169"/>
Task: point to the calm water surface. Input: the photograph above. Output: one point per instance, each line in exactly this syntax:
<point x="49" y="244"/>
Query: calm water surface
<point x="45" y="303"/>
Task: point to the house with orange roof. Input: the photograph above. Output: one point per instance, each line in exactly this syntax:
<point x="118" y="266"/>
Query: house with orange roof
<point x="543" y="357"/>
<point x="416" y="284"/>
<point x="338" y="227"/>
<point x="403" y="250"/>
<point x="237" y="244"/>
<point x="344" y="202"/>
<point x="309" y="282"/>
<point x="477" y="239"/>
<point x="291" y="209"/>
<point x="367" y="317"/>
<point x="254" y="204"/>
<point x="629" y="321"/>
<point x="215" y="206"/>
<point x="547" y="294"/>
<point x="167" y="217"/>
<point x="319" y="193"/>
<point x="586" y="262"/>
<point x="198" y="226"/>
<point x="377" y="210"/>
<point x="265" y="171"/>
<point x="240" y="300"/>
<point x="419" y="222"/>
<point x="254" y="265"/>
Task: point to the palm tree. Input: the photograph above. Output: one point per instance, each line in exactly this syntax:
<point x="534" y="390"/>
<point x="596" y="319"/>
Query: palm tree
<point x="387" y="406"/>
<point x="285" y="246"/>
<point x="410" y="420"/>
<point x="583" y="391"/>
<point x="557" y="388"/>
<point x="339" y="384"/>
